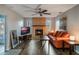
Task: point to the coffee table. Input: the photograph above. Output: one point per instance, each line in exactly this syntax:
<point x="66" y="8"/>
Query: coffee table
<point x="45" y="39"/>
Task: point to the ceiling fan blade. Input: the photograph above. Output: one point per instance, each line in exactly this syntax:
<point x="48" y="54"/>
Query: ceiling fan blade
<point x="37" y="6"/>
<point x="47" y="13"/>
<point x="44" y="11"/>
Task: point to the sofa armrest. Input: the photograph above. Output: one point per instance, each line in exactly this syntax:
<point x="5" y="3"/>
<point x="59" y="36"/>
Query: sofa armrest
<point x="51" y="37"/>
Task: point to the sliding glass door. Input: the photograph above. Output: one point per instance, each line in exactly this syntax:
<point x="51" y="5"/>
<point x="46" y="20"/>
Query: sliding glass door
<point x="2" y="33"/>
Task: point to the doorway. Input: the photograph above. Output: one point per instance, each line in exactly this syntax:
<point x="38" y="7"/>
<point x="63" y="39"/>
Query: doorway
<point x="2" y="33"/>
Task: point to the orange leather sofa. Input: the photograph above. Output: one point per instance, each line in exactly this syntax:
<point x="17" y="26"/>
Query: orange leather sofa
<point x="57" y="38"/>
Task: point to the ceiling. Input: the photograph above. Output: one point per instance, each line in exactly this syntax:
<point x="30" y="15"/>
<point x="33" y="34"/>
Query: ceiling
<point x="25" y="9"/>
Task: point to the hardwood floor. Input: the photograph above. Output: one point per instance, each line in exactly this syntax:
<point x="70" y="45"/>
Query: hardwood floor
<point x="33" y="47"/>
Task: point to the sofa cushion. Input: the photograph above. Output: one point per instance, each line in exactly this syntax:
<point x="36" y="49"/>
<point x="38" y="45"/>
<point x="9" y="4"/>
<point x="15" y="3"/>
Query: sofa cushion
<point x="57" y="33"/>
<point x="65" y="34"/>
<point x="60" y="34"/>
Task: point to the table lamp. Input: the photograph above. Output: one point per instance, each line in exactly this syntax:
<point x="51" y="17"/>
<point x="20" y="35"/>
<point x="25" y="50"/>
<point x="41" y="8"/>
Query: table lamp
<point x="52" y="31"/>
<point x="72" y="38"/>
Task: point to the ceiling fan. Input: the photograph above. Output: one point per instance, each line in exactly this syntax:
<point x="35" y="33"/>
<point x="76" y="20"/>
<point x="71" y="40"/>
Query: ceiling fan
<point x="38" y="10"/>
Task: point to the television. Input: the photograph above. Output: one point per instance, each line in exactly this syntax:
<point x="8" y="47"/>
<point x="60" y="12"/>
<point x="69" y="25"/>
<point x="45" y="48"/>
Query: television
<point x="25" y="30"/>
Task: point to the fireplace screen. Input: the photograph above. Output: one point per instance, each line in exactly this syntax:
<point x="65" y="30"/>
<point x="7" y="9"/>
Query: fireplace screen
<point x="39" y="32"/>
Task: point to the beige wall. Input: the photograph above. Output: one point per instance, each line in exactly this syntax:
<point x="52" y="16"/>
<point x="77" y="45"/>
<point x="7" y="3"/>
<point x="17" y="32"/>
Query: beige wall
<point x="12" y="19"/>
<point x="53" y="23"/>
<point x="73" y="21"/>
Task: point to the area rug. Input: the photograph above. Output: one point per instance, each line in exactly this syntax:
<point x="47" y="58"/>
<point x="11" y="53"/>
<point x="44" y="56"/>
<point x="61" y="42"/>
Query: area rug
<point x="11" y="52"/>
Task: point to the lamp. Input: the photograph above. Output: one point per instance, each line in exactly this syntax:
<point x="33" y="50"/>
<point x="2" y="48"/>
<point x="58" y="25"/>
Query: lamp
<point x="72" y="38"/>
<point x="52" y="31"/>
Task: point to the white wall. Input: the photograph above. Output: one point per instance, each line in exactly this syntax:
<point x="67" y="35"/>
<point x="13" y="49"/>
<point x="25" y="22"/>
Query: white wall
<point x="12" y="19"/>
<point x="50" y="22"/>
<point x="28" y="23"/>
<point x="73" y="22"/>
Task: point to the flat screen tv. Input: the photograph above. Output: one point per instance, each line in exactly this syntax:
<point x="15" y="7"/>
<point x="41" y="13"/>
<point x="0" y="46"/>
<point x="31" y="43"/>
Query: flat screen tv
<point x="25" y="30"/>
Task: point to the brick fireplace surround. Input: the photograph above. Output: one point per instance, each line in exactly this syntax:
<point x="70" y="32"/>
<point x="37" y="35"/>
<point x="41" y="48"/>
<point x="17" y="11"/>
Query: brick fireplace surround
<point x="39" y="23"/>
<point x="39" y="27"/>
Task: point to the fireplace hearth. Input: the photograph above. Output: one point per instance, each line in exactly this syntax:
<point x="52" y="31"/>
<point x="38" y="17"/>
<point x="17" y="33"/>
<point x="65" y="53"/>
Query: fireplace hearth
<point x="39" y="32"/>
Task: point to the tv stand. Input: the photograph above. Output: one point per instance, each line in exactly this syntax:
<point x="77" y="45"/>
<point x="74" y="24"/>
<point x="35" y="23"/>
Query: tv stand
<point x="25" y="37"/>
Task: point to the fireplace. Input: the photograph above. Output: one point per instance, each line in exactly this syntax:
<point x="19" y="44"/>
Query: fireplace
<point x="39" y="32"/>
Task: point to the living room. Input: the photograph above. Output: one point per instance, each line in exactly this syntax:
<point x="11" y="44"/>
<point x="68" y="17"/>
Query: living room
<point x="56" y="22"/>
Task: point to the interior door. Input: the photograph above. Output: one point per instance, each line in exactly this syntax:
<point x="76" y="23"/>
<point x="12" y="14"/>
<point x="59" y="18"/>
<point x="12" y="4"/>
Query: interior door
<point x="2" y="33"/>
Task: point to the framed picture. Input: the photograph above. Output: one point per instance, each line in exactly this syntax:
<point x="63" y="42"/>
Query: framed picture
<point x="14" y="39"/>
<point x="63" y="23"/>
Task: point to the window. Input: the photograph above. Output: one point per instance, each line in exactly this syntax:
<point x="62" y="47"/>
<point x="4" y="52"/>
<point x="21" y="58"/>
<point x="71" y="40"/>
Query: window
<point x="21" y="23"/>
